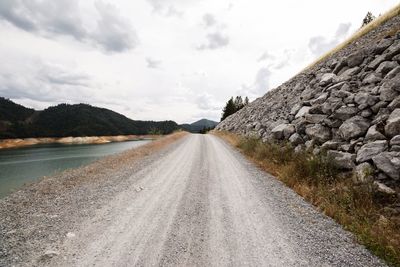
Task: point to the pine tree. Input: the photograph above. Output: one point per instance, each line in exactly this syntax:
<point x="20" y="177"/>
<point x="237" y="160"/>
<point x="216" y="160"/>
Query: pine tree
<point x="229" y="109"/>
<point x="246" y="101"/>
<point x="233" y="106"/>
<point x="367" y="19"/>
<point x="238" y="103"/>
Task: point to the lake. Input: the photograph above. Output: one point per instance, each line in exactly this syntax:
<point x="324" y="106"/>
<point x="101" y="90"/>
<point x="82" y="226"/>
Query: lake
<point x="23" y="165"/>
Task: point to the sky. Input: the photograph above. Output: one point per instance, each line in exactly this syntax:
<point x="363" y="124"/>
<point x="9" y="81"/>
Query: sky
<point x="175" y="60"/>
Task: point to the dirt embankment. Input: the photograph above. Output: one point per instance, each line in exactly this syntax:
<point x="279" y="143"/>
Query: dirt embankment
<point x="13" y="143"/>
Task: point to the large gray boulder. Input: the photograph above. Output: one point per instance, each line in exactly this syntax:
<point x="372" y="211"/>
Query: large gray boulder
<point x="377" y="61"/>
<point x="380" y="187"/>
<point x="296" y="139"/>
<point x="355" y="59"/>
<point x="344" y="113"/>
<point x="391" y="74"/>
<point x="327" y="78"/>
<point x="315" y="118"/>
<point x="354" y="127"/>
<point x="394" y="104"/>
<point x="320" y="99"/>
<point x="374" y="134"/>
<point x="392" y="127"/>
<point x="385" y="67"/>
<point x="367" y="151"/>
<point x="395" y="141"/>
<point x="364" y="98"/>
<point x="389" y="163"/>
<point x="372" y="78"/>
<point x="331" y="145"/>
<point x="393" y="50"/>
<point x="387" y="93"/>
<point x="343" y="160"/>
<point x="319" y="133"/>
<point x="382" y="45"/>
<point x="348" y="74"/>
<point x="303" y="111"/>
<point x="283" y="131"/>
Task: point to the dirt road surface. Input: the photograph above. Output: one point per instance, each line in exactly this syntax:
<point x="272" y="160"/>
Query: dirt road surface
<point x="201" y="203"/>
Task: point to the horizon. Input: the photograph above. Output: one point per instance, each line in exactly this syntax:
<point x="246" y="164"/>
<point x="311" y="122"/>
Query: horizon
<point x="185" y="59"/>
<point x="37" y="110"/>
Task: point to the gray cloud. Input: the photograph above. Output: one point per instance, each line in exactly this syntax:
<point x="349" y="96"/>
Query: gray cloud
<point x="209" y="20"/>
<point x="320" y="44"/>
<point x="262" y="80"/>
<point x="44" y="82"/>
<point x="49" y="19"/>
<point x="285" y="60"/>
<point x="153" y="63"/>
<point x="214" y="41"/>
<point x="276" y="62"/>
<point x="166" y="8"/>
<point x="266" y="56"/>
<point x="260" y="85"/>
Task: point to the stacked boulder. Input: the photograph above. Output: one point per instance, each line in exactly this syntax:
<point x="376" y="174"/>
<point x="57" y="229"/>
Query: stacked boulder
<point x="348" y="105"/>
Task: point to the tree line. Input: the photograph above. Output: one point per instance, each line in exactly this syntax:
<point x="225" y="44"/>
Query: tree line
<point x="233" y="105"/>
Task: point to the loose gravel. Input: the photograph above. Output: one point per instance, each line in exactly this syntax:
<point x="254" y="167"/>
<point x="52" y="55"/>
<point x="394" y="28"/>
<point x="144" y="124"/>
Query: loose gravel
<point x="197" y="202"/>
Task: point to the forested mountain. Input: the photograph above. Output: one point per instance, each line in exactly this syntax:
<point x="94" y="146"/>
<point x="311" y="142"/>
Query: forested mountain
<point x="199" y="125"/>
<point x="10" y="111"/>
<point x="63" y="120"/>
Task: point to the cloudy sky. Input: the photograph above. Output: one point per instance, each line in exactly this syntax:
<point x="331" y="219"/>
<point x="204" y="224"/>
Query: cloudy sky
<point x="164" y="59"/>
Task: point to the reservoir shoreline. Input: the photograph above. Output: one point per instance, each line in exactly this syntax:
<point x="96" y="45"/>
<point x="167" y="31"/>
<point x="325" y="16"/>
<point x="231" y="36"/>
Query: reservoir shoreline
<point x="38" y="217"/>
<point x="23" y="142"/>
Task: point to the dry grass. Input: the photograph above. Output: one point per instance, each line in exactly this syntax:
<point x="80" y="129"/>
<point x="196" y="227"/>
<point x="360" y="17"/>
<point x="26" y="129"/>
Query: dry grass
<point x="395" y="11"/>
<point x="315" y="178"/>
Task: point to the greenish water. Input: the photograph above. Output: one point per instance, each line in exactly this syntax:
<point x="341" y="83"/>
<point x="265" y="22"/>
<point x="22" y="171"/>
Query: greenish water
<point x="23" y="165"/>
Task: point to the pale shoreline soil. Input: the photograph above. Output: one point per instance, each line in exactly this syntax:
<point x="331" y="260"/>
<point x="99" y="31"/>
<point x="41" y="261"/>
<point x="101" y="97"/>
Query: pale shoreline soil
<point x="18" y="142"/>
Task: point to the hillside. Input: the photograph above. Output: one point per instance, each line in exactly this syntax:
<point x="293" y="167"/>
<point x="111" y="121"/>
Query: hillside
<point x="199" y="125"/>
<point x="347" y="104"/>
<point x="63" y="120"/>
<point x="10" y="111"/>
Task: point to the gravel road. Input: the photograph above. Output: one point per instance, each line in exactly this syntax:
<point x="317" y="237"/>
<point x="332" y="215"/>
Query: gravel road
<point x="201" y="203"/>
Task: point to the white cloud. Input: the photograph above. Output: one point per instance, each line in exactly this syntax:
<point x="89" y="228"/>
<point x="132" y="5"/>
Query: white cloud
<point x="266" y="56"/>
<point x="207" y="101"/>
<point x="320" y="44"/>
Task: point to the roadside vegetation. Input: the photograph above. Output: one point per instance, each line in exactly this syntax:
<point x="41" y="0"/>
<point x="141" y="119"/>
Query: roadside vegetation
<point x="357" y="207"/>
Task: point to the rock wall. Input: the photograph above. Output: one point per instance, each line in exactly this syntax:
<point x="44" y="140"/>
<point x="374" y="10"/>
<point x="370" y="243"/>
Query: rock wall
<point x="349" y="105"/>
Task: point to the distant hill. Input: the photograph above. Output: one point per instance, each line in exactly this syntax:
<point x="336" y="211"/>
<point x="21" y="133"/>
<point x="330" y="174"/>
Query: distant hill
<point x="63" y="120"/>
<point x="10" y="111"/>
<point x="199" y="125"/>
